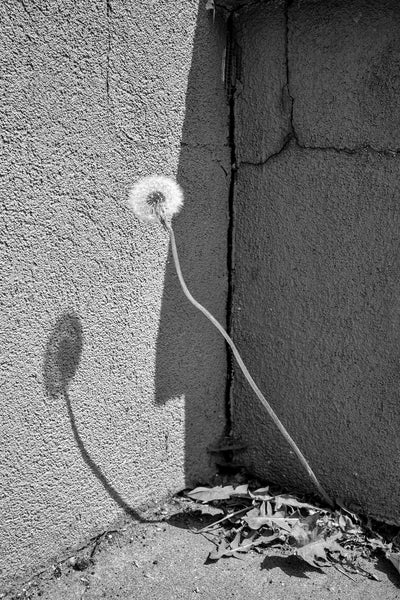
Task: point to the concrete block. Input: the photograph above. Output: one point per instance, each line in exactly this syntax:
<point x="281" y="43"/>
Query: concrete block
<point x="344" y="61"/>
<point x="316" y="316"/>
<point x="262" y="103"/>
<point x="112" y="385"/>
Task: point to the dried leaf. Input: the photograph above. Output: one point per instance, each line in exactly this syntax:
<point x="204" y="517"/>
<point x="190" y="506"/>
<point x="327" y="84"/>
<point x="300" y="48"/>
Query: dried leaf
<point x="261" y="494"/>
<point x="245" y="547"/>
<point x="285" y="523"/>
<point x="254" y="520"/>
<point x="205" y="494"/>
<point x="394" y="558"/>
<point x="287" y="500"/>
<point x="229" y="517"/>
<point x="269" y="538"/>
<point x="281" y="514"/>
<point x="344" y="522"/>
<point x="378" y="544"/>
<point x="314" y="553"/>
<point x="323" y="538"/>
<point x="253" y="516"/>
<point x="233" y="549"/>
<point x="240" y="491"/>
<point x="306" y="530"/>
<point x="209" y="510"/>
<point x="340" y="503"/>
<point x="219" y="551"/>
<point x="247" y="543"/>
<point x="249" y="538"/>
<point x="235" y="542"/>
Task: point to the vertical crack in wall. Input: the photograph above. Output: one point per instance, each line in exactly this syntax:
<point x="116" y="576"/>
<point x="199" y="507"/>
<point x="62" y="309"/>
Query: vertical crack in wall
<point x="232" y="72"/>
<point x="108" y="12"/>
<point x="292" y="133"/>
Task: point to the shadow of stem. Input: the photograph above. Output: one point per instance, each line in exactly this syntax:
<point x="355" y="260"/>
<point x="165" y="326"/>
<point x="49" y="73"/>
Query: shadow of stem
<point x="111" y="491"/>
<point x="63" y="353"/>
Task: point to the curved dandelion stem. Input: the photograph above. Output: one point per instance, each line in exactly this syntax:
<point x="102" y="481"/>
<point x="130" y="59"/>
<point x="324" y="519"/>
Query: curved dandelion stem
<point x="243" y="367"/>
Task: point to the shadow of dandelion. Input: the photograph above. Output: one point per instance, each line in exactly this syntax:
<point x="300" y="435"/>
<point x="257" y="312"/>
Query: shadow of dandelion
<point x="62" y="358"/>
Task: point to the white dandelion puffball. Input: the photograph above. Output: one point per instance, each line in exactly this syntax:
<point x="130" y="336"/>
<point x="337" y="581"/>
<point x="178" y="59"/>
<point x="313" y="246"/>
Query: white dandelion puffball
<point x="155" y="197"/>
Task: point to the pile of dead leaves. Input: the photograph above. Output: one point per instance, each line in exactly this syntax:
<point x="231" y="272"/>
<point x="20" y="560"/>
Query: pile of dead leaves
<point x="320" y="536"/>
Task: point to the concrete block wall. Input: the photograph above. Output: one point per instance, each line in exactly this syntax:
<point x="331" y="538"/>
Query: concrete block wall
<point x="316" y="296"/>
<point x="112" y="385"/>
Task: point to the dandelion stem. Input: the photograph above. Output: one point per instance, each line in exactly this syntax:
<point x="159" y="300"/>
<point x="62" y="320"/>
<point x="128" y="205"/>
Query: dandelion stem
<point x="245" y="372"/>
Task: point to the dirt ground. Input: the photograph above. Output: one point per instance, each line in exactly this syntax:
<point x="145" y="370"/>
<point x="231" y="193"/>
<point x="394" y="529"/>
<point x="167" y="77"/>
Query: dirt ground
<point x="164" y="559"/>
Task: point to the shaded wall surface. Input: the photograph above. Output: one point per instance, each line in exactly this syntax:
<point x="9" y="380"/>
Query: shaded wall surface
<point x="316" y="298"/>
<point x="112" y="387"/>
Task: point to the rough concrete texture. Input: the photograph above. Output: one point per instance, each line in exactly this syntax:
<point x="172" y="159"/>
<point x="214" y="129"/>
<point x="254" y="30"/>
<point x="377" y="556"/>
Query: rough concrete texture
<point x="344" y="62"/>
<point x="262" y="102"/>
<point x="168" y="560"/>
<point x="112" y="386"/>
<point x="316" y="282"/>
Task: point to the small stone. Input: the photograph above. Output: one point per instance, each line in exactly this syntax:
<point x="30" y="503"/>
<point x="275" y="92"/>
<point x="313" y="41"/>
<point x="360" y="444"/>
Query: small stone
<point x="82" y="564"/>
<point x="57" y="572"/>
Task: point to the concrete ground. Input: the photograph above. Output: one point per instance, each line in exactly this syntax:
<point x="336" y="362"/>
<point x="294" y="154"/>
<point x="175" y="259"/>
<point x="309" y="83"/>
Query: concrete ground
<point x="164" y="559"/>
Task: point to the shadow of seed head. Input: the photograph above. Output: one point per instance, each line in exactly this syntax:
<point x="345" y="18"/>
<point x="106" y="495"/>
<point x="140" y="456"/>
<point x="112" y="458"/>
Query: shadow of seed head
<point x="63" y="354"/>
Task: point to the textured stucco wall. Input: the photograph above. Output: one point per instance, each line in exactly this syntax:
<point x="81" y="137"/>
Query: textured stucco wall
<point x="112" y="385"/>
<point x="316" y="301"/>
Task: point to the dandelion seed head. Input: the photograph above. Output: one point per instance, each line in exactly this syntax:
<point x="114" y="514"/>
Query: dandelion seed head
<point x="156" y="197"/>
